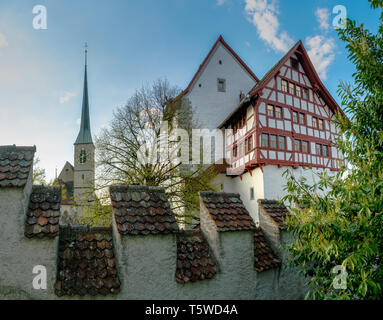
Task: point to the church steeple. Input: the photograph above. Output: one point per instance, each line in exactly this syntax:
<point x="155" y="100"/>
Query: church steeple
<point x="85" y="136"/>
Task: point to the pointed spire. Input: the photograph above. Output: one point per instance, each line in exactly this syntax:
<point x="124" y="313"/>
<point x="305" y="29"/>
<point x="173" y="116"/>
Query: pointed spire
<point x="85" y="136"/>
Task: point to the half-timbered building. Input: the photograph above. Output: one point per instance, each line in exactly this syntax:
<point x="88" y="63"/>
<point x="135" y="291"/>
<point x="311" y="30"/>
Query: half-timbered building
<point x="285" y="121"/>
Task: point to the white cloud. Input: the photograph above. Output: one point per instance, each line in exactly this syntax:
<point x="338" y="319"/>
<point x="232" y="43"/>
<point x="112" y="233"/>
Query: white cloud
<point x="3" y="41"/>
<point x="263" y="14"/>
<point x="321" y="52"/>
<point x="323" y="17"/>
<point x="67" y="96"/>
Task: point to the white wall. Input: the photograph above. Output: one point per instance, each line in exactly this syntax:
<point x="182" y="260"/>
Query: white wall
<point x="268" y="184"/>
<point x="212" y="107"/>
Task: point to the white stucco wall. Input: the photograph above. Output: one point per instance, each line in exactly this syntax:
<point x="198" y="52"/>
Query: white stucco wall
<point x="18" y="254"/>
<point x="267" y="184"/>
<point x="212" y="107"/>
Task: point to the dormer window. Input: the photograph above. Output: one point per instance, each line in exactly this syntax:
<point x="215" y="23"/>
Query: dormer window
<point x="221" y="84"/>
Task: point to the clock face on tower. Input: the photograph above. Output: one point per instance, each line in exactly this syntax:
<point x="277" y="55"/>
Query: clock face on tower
<point x="83" y="156"/>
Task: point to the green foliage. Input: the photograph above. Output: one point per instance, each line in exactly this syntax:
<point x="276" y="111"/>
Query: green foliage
<point x="39" y="175"/>
<point x="339" y="220"/>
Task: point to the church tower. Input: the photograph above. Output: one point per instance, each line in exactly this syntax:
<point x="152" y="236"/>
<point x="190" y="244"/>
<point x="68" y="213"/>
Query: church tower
<point x="84" y="151"/>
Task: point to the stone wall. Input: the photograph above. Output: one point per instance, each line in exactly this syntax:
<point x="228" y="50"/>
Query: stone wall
<point x="142" y="255"/>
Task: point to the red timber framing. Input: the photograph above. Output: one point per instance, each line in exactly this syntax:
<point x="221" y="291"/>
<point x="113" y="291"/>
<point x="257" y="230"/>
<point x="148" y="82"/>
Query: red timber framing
<point x="288" y="128"/>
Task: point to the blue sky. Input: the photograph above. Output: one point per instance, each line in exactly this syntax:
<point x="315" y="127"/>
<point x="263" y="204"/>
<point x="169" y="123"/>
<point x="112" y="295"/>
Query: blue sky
<point x="132" y="43"/>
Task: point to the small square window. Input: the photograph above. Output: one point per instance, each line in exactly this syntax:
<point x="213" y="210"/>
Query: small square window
<point x="305" y="93"/>
<point x="325" y="151"/>
<point x="221" y="85"/>
<point x="318" y="149"/>
<point x="252" y="197"/>
<point x="295" y="117"/>
<point x="298" y="91"/>
<point x="320" y="124"/>
<point x="250" y="143"/>
<point x="297" y="145"/>
<point x="291" y="88"/>
<point x="278" y="112"/>
<point x="301" y="118"/>
<point x="284" y="85"/>
<point x="270" y="111"/>
<point x="315" y="122"/>
<point x="265" y="140"/>
<point x="273" y="141"/>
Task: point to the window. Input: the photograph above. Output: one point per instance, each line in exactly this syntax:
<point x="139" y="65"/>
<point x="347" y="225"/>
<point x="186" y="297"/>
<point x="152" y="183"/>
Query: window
<point x="235" y="151"/>
<point x="221" y="85"/>
<point x="278" y="112"/>
<point x="320" y="124"/>
<point x="297" y="145"/>
<point x="318" y="149"/>
<point x="291" y="88"/>
<point x="282" y="142"/>
<point x="305" y="93"/>
<point x="294" y="64"/>
<point x="325" y="151"/>
<point x="295" y="116"/>
<point x="241" y="149"/>
<point x="298" y="91"/>
<point x="284" y="85"/>
<point x="252" y="193"/>
<point x="250" y="143"/>
<point x="220" y="61"/>
<point x="270" y="110"/>
<point x="305" y="147"/>
<point x="315" y="122"/>
<point x="273" y="141"/>
<point x="265" y="140"/>
<point x="302" y="118"/>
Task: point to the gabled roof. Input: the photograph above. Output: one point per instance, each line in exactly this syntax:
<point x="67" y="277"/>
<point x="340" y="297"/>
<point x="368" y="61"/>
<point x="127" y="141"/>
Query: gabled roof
<point x="202" y="66"/>
<point x="311" y="73"/>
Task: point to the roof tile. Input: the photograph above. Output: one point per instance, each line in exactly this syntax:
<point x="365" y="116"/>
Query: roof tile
<point x="194" y="259"/>
<point x="275" y="209"/>
<point x="15" y="165"/>
<point x="142" y="210"/>
<point x="227" y="211"/>
<point x="43" y="212"/>
<point x="264" y="256"/>
<point x="86" y="262"/>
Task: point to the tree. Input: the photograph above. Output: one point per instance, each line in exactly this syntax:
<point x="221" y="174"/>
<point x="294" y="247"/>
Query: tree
<point x="343" y="224"/>
<point x="39" y="175"/>
<point x="142" y="146"/>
